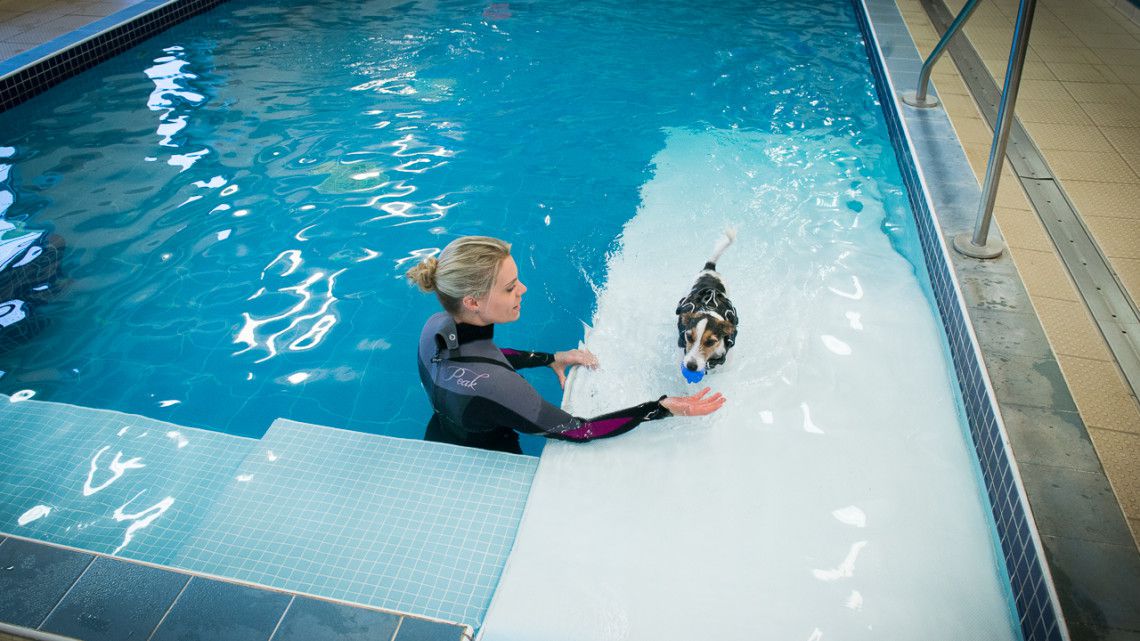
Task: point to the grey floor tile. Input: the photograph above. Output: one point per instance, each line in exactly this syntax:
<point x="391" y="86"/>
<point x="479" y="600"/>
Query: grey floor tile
<point x="1047" y="437"/>
<point x="1097" y="585"/>
<point x="33" y="578"/>
<point x="116" y="600"/>
<point x="1073" y="504"/>
<point x="309" y="619"/>
<point x="211" y="610"/>
<point x="423" y="630"/>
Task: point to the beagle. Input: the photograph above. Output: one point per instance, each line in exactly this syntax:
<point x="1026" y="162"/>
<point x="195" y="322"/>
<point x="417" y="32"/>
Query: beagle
<point x="706" y="319"/>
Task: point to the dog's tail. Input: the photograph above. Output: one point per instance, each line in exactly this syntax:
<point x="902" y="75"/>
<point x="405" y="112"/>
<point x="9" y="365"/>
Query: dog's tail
<point x="722" y="244"/>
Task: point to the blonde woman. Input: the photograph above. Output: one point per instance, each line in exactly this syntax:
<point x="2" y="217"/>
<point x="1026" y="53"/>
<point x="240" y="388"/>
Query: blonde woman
<point x="479" y="398"/>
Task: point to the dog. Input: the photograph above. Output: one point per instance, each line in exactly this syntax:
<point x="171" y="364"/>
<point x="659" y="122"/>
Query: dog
<point x="706" y="319"/>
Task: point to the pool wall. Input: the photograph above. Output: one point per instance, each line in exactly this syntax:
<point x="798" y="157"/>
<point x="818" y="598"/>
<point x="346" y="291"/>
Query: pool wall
<point x="1035" y="597"/>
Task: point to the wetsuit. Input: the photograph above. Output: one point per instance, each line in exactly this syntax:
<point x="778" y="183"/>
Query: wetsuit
<point x="480" y="400"/>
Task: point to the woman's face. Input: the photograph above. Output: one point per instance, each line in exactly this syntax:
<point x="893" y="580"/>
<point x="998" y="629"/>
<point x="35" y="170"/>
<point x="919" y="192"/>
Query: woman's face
<point x="502" y="303"/>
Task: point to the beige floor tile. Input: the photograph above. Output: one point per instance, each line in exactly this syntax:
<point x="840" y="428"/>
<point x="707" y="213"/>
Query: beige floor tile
<point x="978" y="155"/>
<point x="973" y="131"/>
<point x="1112" y="115"/>
<point x="1102" y="199"/>
<point x="1010" y="193"/>
<point x="1120" y="455"/>
<point x="1128" y="271"/>
<point x="1095" y="26"/>
<point x="1036" y="70"/>
<point x="1070" y="328"/>
<point x="1067" y="137"/>
<point x="1133" y="161"/>
<point x="1050" y="37"/>
<point x="949" y="84"/>
<point x="1124" y="140"/>
<point x="1023" y="229"/>
<point x="1065" y="111"/>
<point x="959" y="106"/>
<point x="923" y="32"/>
<point x="1099" y="166"/>
<point x="1128" y="74"/>
<point x="1110" y="40"/>
<point x="1102" y="396"/>
<point x="1110" y="93"/>
<point x="1071" y="54"/>
<point x="1044" y="275"/>
<point x="1041" y="89"/>
<point x="1130" y="57"/>
<point x="1117" y="237"/>
<point x="1082" y="72"/>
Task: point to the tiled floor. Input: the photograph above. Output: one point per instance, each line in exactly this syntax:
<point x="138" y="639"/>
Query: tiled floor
<point x="1080" y="102"/>
<point x="27" y="23"/>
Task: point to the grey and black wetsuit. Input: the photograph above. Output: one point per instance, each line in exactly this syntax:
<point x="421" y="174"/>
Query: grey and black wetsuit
<point x="480" y="400"/>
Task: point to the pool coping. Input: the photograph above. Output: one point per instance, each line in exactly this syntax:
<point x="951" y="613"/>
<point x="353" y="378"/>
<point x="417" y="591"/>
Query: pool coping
<point x="1089" y="564"/>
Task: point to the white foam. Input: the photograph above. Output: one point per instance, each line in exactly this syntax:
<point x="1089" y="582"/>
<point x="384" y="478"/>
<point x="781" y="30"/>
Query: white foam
<point x="726" y="527"/>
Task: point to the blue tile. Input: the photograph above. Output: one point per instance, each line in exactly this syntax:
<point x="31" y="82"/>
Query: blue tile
<point x="33" y="578"/>
<point x="116" y="600"/>
<point x="424" y="630"/>
<point x="309" y="619"/>
<point x="220" y="611"/>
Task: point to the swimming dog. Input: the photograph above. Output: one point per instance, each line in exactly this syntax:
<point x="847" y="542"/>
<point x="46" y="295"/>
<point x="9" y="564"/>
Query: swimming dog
<point x="706" y="319"/>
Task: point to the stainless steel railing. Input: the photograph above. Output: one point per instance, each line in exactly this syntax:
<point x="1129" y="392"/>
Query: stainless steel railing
<point x="978" y="245"/>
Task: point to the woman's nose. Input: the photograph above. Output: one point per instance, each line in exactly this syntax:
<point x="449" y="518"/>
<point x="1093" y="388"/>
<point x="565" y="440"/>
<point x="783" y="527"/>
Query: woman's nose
<point x="522" y="288"/>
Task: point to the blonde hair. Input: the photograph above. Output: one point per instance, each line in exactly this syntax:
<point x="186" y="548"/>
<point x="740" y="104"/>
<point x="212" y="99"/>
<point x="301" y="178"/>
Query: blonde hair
<point x="466" y="267"/>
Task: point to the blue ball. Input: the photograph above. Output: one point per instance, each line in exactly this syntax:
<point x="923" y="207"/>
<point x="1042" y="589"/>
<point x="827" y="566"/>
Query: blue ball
<point x="691" y="376"/>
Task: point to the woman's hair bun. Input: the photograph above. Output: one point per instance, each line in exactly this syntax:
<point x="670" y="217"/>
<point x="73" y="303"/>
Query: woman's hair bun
<point x="423" y="274"/>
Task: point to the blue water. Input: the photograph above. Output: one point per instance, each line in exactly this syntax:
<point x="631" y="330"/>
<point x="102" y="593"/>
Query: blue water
<point x="241" y="194"/>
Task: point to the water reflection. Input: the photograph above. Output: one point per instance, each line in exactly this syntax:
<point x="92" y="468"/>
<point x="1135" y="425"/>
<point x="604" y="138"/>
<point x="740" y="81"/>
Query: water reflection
<point x="170" y="98"/>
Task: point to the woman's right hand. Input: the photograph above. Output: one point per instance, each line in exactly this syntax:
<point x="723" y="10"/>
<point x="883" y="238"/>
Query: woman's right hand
<point x="695" y="405"/>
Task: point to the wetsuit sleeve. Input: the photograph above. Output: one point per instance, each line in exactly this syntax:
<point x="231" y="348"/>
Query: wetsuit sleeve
<point x="520" y="360"/>
<point x="522" y="408"/>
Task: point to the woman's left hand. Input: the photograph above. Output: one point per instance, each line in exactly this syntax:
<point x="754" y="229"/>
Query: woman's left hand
<point x="562" y="360"/>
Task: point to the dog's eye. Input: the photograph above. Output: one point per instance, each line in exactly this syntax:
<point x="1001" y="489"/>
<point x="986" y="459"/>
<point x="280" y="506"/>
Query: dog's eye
<point x="710" y="342"/>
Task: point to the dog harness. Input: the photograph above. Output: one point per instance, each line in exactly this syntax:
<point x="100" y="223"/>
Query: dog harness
<point x="480" y="400"/>
<point x="708" y="296"/>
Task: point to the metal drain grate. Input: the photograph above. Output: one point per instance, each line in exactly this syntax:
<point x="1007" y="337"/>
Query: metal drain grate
<point x="1114" y="312"/>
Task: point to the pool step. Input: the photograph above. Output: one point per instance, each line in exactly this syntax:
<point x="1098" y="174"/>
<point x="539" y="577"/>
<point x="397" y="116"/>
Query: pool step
<point x="402" y="525"/>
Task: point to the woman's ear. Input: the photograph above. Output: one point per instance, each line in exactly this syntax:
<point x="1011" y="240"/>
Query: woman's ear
<point x="470" y="303"/>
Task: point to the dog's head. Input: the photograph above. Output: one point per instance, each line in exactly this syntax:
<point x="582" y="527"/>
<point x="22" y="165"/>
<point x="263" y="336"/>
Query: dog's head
<point x="705" y="338"/>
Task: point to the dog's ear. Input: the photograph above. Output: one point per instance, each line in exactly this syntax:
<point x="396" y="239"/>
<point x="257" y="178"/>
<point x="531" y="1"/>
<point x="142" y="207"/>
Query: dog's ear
<point x="683" y="323"/>
<point x="726" y="330"/>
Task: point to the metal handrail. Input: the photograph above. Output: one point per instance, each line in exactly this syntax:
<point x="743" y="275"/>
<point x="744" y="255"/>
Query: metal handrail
<point x="978" y="246"/>
<point x="919" y="97"/>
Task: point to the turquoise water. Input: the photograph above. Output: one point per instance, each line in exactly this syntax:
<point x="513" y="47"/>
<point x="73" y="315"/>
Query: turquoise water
<point x="240" y="194"/>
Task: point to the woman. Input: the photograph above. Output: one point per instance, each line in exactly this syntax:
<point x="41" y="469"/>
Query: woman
<point x="478" y="397"/>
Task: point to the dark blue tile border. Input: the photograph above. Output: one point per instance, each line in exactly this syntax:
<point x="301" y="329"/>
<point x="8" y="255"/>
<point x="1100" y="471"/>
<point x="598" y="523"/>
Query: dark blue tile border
<point x="34" y="71"/>
<point x="1033" y="597"/>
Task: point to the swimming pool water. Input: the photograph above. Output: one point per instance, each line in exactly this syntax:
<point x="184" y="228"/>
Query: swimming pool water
<point x="240" y="195"/>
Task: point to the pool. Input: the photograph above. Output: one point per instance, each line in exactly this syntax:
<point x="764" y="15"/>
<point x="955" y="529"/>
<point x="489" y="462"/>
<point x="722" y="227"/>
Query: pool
<point x="252" y="269"/>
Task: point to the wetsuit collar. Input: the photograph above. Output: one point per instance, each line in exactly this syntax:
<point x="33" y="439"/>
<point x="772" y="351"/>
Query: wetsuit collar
<point x="469" y="333"/>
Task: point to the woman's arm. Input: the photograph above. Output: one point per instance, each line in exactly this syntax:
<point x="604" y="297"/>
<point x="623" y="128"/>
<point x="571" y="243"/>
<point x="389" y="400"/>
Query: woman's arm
<point x="521" y="360"/>
<point x="517" y="405"/>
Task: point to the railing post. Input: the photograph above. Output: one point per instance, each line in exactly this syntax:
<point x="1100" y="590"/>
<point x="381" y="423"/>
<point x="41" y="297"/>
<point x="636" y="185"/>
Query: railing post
<point x="919" y="97"/>
<point x="978" y="245"/>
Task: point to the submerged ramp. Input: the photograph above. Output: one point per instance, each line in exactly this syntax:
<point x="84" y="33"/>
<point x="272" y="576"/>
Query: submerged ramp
<point x="834" y="495"/>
